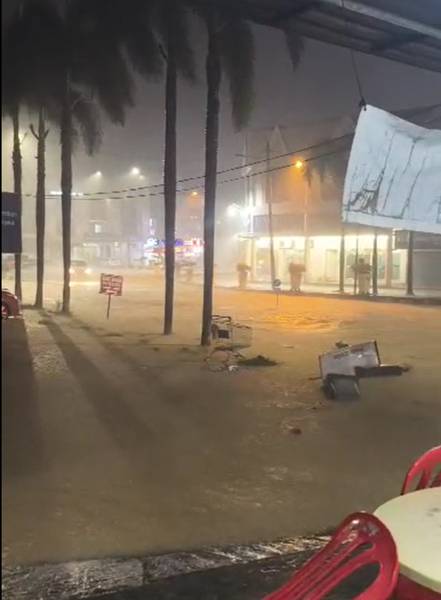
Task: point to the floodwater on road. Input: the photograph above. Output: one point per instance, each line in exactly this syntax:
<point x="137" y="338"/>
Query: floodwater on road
<point x="118" y="441"/>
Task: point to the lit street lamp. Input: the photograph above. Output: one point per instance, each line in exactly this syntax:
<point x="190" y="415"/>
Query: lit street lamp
<point x="135" y="171"/>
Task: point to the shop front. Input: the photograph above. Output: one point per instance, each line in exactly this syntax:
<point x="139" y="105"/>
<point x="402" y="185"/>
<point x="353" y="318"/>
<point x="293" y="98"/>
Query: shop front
<point x="320" y="255"/>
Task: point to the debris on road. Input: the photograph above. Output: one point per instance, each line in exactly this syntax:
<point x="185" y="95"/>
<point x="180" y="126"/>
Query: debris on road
<point x="341" y="369"/>
<point x="257" y="361"/>
<point x="296" y="431"/>
<point x="223" y="358"/>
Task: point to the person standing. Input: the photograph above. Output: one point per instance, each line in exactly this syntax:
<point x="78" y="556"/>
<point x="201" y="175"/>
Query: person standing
<point x="295" y="274"/>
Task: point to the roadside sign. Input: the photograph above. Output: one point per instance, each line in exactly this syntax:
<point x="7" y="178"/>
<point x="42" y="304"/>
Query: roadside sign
<point x="277" y="285"/>
<point x="11" y="223"/>
<point x="112" y="286"/>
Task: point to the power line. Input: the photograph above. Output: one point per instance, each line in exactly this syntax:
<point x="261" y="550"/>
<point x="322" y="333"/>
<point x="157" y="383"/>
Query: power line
<point x="127" y="191"/>
<point x="201" y="187"/>
<point x="220" y="172"/>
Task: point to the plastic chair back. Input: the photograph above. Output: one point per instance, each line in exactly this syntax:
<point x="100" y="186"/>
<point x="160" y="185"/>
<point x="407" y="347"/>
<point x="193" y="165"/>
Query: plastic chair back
<point x="361" y="539"/>
<point x="425" y="467"/>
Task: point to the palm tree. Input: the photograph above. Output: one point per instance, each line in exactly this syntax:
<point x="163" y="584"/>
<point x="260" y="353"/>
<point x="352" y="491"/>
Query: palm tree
<point x="12" y="96"/>
<point x="94" y="72"/>
<point x="176" y="50"/>
<point x="40" y="202"/>
<point x="152" y="33"/>
<point x="40" y="29"/>
<point x="230" y="51"/>
<point x="43" y="49"/>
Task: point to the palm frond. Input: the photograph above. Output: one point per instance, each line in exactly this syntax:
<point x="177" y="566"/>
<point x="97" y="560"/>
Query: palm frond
<point x="86" y="121"/>
<point x="94" y="33"/>
<point x="173" y="26"/>
<point x="236" y="44"/>
<point x="138" y="36"/>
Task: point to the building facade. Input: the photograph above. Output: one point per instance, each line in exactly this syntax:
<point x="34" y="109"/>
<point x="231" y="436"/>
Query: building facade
<point x="296" y="207"/>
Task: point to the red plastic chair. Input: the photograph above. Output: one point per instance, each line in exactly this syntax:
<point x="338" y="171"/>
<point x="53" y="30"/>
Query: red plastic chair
<point x="361" y="539"/>
<point x="424" y="467"/>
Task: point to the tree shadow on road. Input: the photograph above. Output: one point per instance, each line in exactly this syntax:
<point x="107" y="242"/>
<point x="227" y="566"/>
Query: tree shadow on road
<point x="107" y="401"/>
<point x="22" y="445"/>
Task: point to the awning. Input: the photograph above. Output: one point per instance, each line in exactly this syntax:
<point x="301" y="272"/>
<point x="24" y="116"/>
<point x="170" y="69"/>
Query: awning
<point x="407" y="31"/>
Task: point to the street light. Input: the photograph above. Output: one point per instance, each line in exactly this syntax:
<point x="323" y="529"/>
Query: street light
<point x="299" y="164"/>
<point x="98" y="174"/>
<point x="135" y="171"/>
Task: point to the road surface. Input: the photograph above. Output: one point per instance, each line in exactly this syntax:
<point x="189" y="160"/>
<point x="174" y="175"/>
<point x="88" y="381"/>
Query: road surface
<point x="119" y="442"/>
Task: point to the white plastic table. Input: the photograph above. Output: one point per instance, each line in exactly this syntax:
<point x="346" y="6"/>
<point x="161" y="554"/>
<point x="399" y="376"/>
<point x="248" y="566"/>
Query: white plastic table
<point x="414" y="521"/>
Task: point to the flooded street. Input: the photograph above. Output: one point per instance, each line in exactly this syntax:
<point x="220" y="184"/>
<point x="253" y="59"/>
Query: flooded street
<point x="119" y="442"/>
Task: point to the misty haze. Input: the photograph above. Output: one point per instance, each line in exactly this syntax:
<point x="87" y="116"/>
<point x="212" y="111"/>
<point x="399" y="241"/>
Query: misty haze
<point x="221" y="292"/>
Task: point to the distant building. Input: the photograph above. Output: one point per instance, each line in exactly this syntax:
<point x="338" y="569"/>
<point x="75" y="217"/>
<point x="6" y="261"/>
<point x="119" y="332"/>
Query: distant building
<point x="305" y="188"/>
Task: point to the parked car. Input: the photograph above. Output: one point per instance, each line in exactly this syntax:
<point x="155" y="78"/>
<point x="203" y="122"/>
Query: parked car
<point x="79" y="269"/>
<point x="10" y="305"/>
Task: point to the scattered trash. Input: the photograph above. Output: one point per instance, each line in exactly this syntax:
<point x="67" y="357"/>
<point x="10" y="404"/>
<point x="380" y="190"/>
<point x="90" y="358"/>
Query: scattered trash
<point x="257" y="361"/>
<point x="295" y="431"/>
<point x="223" y="358"/>
<point x="341" y="369"/>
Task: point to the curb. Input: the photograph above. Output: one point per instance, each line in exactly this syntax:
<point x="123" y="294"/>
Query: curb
<point x="417" y="300"/>
<point x="84" y="579"/>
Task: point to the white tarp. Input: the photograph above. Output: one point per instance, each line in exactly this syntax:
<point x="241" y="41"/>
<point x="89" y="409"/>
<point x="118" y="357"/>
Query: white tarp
<point x="393" y="178"/>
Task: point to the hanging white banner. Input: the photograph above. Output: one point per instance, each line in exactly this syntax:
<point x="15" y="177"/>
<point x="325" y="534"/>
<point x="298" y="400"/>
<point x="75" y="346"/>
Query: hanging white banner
<point x="393" y="178"/>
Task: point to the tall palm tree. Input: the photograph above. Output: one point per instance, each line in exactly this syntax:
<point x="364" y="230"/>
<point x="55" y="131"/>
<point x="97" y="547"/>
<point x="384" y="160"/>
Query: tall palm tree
<point x="153" y="32"/>
<point x="44" y="46"/>
<point x="94" y="69"/>
<point x="230" y="51"/>
<point x="13" y="90"/>
<point x="40" y="29"/>
<point x="173" y="31"/>
<point x="40" y="202"/>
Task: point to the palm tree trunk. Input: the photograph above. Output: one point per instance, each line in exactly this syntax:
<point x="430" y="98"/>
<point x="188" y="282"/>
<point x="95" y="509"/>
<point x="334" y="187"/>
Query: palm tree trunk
<point x="170" y="181"/>
<point x="40" y="207"/>
<point x="66" y="193"/>
<point x="213" y="74"/>
<point x="17" y="173"/>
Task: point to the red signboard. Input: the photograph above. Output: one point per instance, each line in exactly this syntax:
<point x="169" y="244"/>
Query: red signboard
<point x="111" y="284"/>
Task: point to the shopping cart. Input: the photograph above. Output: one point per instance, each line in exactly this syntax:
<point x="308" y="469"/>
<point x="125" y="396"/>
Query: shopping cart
<point x="226" y="331"/>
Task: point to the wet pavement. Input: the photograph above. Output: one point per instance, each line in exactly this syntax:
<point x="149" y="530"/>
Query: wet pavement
<point x="230" y="572"/>
<point x="118" y="442"/>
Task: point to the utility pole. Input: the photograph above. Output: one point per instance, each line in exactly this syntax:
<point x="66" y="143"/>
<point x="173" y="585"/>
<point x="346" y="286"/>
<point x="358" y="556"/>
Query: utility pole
<point x="341" y="274"/>
<point x="269" y="200"/>
<point x="409" y="274"/>
<point x="375" y="264"/>
<point x="306" y="226"/>
<point x="356" y="264"/>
